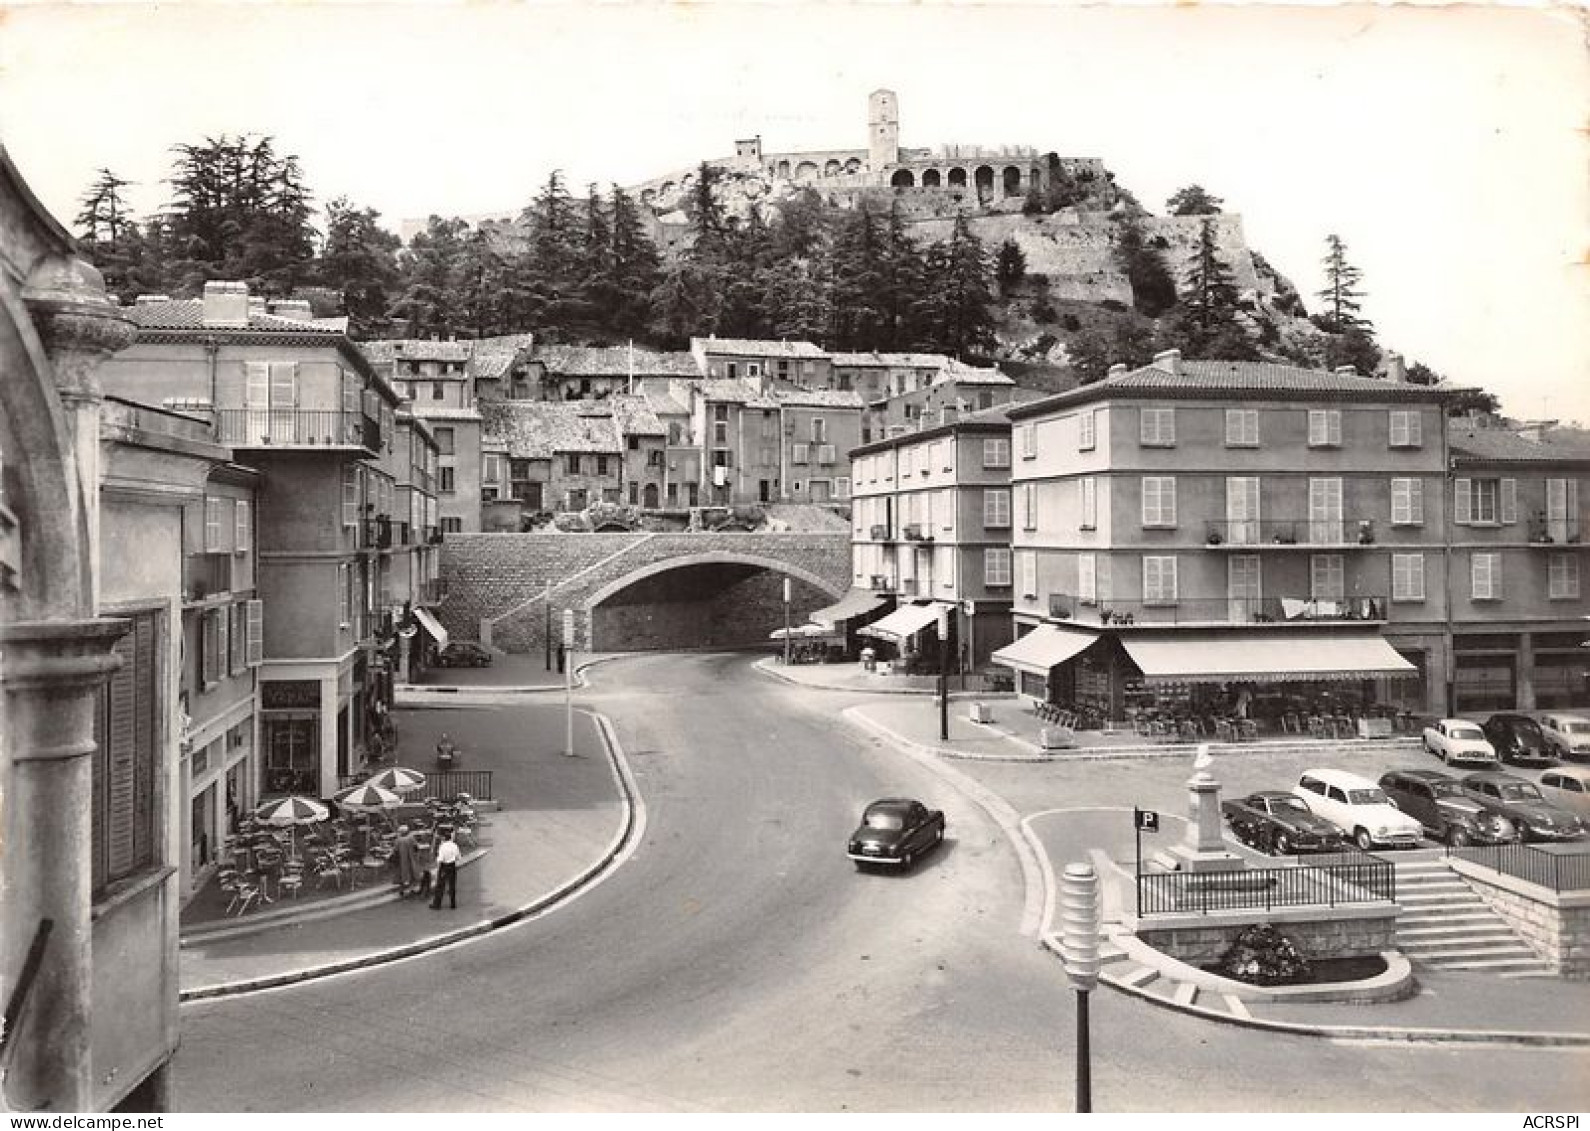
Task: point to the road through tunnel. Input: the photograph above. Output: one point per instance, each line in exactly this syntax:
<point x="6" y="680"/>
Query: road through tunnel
<point x="701" y="605"/>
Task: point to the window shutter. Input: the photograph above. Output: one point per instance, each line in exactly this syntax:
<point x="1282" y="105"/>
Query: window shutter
<point x="1029" y="574"/>
<point x="350" y="495"/>
<point x="1090" y="503"/>
<point x="212" y="525"/>
<point x="1029" y="440"/>
<point x="1463" y="502"/>
<point x="284" y="385"/>
<point x="256" y="384"/>
<point x="1415" y="433"/>
<point x="256" y="632"/>
<point x="1029" y="506"/>
<point x="1088" y="577"/>
<point x="1416" y="502"/>
<point x="223" y="642"/>
<point x="1509" y="501"/>
<point x="245" y="527"/>
<point x="1087" y="436"/>
<point x="238" y="659"/>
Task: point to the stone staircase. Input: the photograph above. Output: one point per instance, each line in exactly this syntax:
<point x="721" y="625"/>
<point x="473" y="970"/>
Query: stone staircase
<point x="1444" y="924"/>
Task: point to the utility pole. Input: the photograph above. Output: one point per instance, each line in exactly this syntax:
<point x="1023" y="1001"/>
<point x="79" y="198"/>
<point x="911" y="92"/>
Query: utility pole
<point x="944" y="673"/>
<point x="568" y="682"/>
<point x="786" y="622"/>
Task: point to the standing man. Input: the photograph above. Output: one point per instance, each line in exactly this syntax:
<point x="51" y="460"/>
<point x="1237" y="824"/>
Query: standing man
<point x="407" y="860"/>
<point x="446" y="873"/>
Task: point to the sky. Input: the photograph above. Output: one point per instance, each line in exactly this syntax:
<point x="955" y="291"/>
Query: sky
<point x="1449" y="147"/>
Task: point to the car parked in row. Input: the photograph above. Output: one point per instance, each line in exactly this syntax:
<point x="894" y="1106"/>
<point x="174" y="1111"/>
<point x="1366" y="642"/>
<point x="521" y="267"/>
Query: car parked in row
<point x="1278" y="822"/>
<point x="1517" y="738"/>
<point x="1568" y="786"/>
<point x="1359" y="808"/>
<point x="1567" y="736"/>
<point x="1458" y="740"/>
<point x="895" y="830"/>
<point x="464" y="654"/>
<point x="1522" y="803"/>
<point x="1437" y="802"/>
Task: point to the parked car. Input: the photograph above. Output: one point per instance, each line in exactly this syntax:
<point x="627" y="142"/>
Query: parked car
<point x="1567" y="736"/>
<point x="1281" y="823"/>
<point x="895" y="830"/>
<point x="1437" y="802"/>
<point x="1517" y="738"/>
<point x="1568" y="786"/>
<point x="1359" y="808"/>
<point x="1458" y="740"/>
<point x="1522" y="803"/>
<point x="464" y="654"/>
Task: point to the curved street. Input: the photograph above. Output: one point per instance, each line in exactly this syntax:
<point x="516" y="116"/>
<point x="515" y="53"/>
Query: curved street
<point x="737" y="962"/>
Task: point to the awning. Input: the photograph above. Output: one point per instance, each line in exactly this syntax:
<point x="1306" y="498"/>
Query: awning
<point x="905" y="621"/>
<point x="1263" y="657"/>
<point x="1043" y="648"/>
<point x="801" y="632"/>
<point x="432" y="626"/>
<point x="853" y="604"/>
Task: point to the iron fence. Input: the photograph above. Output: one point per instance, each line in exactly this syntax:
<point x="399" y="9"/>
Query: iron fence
<point x="1559" y="871"/>
<point x="442" y="784"/>
<point x="1215" y="610"/>
<point x="1327" y="881"/>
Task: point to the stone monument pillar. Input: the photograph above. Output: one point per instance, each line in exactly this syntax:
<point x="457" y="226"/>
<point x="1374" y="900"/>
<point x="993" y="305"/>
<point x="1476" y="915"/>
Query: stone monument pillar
<point x="1204" y="849"/>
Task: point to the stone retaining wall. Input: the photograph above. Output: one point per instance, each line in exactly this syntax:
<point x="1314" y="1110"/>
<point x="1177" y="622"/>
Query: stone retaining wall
<point x="1555" y="925"/>
<point x="1318" y="932"/>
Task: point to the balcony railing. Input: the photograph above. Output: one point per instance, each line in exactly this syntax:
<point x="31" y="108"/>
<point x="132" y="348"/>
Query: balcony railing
<point x="918" y="532"/>
<point x="378" y="533"/>
<point x="297" y="428"/>
<point x="1306" y="532"/>
<point x="1555" y="532"/>
<point x="1215" y="610"/>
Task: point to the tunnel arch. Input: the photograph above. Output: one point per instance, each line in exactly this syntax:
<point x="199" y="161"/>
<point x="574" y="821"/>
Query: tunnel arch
<point x="711" y="557"/>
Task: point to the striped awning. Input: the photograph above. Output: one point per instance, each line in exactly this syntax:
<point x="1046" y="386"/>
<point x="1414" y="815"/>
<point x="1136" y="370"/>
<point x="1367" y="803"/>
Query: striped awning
<point x="1263" y="657"/>
<point x="1042" y="648"/>
<point x="907" y="620"/>
<point x="853" y="604"/>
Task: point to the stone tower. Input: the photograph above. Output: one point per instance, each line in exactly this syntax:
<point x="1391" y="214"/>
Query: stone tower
<point x="883" y="130"/>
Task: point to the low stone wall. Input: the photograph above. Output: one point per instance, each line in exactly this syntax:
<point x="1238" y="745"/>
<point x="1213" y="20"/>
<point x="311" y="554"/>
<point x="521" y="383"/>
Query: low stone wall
<point x="1555" y="925"/>
<point x="1319" y="932"/>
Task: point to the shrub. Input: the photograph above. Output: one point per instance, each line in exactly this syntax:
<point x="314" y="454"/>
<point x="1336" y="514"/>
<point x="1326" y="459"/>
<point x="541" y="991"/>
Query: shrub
<point x="1263" y="956"/>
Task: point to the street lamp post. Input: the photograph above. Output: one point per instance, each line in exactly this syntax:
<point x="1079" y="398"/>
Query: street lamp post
<point x="786" y="622"/>
<point x="944" y="673"/>
<point x="1079" y="948"/>
<point x="546" y="604"/>
<point x="568" y="682"/>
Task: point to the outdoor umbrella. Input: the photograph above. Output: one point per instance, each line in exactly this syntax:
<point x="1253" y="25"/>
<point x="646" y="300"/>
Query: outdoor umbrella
<point x="801" y="631"/>
<point x="292" y="812"/>
<point x="398" y="779"/>
<point x="367" y="798"/>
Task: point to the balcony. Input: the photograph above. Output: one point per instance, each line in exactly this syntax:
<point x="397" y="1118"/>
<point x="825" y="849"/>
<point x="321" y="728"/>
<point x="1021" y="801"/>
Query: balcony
<point x="880" y="533"/>
<point x="1554" y="532"/>
<point x="205" y="575"/>
<point x="1138" y="613"/>
<point x="433" y="535"/>
<point x="1299" y="533"/>
<point x="377" y="533"/>
<point x="918" y="532"/>
<point x="297" y="429"/>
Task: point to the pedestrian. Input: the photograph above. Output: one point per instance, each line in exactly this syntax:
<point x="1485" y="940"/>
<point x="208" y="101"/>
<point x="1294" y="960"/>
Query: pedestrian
<point x="425" y="863"/>
<point x="446" y="873"/>
<point x="407" y="861"/>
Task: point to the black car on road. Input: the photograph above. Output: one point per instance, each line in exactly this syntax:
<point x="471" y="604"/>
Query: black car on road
<point x="1517" y="738"/>
<point x="895" y="830"/>
<point x="1281" y="823"/>
<point x="1437" y="802"/>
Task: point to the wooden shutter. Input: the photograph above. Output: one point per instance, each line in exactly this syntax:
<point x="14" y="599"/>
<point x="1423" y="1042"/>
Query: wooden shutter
<point x="244" y="533"/>
<point x="1463" y="502"/>
<point x="212" y="525"/>
<point x="1509" y="501"/>
<point x="1087" y="578"/>
<point x="256" y="384"/>
<point x="1090" y="504"/>
<point x="256" y="632"/>
<point x="1087" y="435"/>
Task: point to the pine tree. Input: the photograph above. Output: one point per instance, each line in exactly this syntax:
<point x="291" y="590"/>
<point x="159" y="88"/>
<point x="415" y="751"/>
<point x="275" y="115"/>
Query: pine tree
<point x="860" y="281"/>
<point x="359" y="260"/>
<point x="635" y="266"/>
<point x="1208" y="326"/>
<point x="706" y="213"/>
<point x="109" y="238"/>
<point x="1010" y="265"/>
<point x="1342" y="293"/>
<point x="549" y="272"/>
<point x="961" y="308"/>
<point x="432" y="266"/>
<point x="1194" y="200"/>
<point x="1153" y="286"/>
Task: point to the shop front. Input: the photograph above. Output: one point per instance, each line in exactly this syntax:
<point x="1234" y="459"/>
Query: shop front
<point x="905" y="637"/>
<point x="851" y="614"/>
<point x="1044" y="661"/>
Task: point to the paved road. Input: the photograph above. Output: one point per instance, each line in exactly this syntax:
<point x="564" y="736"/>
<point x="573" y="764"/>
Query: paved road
<point x="737" y="962"/>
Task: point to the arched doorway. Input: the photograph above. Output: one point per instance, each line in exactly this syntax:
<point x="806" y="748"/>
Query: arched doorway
<point x="648" y="496"/>
<point x="957" y="177"/>
<point x="1012" y="181"/>
<point x="985" y="182"/>
<point x="930" y="178"/>
<point x="902" y="178"/>
<point x="831" y="169"/>
<point x="805" y="171"/>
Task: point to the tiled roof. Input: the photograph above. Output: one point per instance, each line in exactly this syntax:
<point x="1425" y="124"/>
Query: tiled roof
<point x="417" y="349"/>
<point x="635" y="416"/>
<point x="440" y="412"/>
<point x="188" y="314"/>
<point x="543" y="429"/>
<point x="893" y="360"/>
<point x="737" y="390"/>
<point x="754" y="347"/>
<point x="819" y="398"/>
<point x="615" y="361"/>
<point x="491" y="358"/>
<point x="668" y="403"/>
<point x="1503" y="446"/>
<point x="959" y="373"/>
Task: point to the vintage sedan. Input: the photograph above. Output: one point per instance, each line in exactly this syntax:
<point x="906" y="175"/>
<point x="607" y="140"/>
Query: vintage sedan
<point x="1281" y="823"/>
<point x="895" y="830"/>
<point x="1359" y="808"/>
<point x="1567" y="736"/>
<point x="464" y="654"/>
<point x="1522" y="803"/>
<point x="1458" y="740"/>
<point x="1437" y="802"/>
<point x="1517" y="738"/>
<point x="1568" y="786"/>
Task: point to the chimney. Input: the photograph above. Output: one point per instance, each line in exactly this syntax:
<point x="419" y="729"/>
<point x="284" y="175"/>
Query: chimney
<point x="1345" y="371"/>
<point x="226" y="304"/>
<point x="1169" y="361"/>
<point x="150" y="300"/>
<point x="1396" y="370"/>
<point x="1120" y="367"/>
<point x="297" y="309"/>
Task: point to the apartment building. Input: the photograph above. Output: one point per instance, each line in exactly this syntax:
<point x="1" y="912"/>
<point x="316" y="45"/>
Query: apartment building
<point x="1186" y="528"/>
<point x="931" y="526"/>
<point x="298" y="403"/>
<point x="798" y="363"/>
<point x="409" y="540"/>
<point x="566" y="373"/>
<point x="1518" y="565"/>
<point x="437" y="380"/>
<point x="560" y="456"/>
<point x="819" y="427"/>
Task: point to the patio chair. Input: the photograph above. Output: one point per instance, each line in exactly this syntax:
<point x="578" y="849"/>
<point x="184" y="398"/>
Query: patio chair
<point x="290" y="882"/>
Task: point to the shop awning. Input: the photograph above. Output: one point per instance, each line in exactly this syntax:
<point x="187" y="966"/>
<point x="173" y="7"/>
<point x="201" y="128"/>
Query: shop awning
<point x="1263" y="657"/>
<point x="431" y="625"/>
<point x="853" y="604"/>
<point x="1043" y="648"/>
<point x="905" y="621"/>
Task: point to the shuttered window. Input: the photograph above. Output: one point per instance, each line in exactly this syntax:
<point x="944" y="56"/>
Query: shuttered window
<point x="1090" y="502"/>
<point x="996" y="507"/>
<point x="1485" y="576"/>
<point x="1406" y="429"/>
<point x="1029" y="441"/>
<point x="996" y="567"/>
<point x="1562" y="510"/>
<point x="1407" y="577"/>
<point x="1326" y="577"/>
<point x="344" y="595"/>
<point x="1087" y="578"/>
<point x="1242" y="428"/>
<point x="1159" y="580"/>
<point x="1157" y="427"/>
<point x="1087" y="430"/>
<point x="1407" y="502"/>
<point x="1324" y="428"/>
<point x="1029" y="573"/>
<point x="350" y="495"/>
<point x="1563" y="577"/>
<point x="126" y="758"/>
<point x="237" y="657"/>
<point x="996" y="453"/>
<point x="1159" y="500"/>
<point x="1029" y="506"/>
<point x="256" y="632"/>
<point x="244" y="524"/>
<point x="214" y="525"/>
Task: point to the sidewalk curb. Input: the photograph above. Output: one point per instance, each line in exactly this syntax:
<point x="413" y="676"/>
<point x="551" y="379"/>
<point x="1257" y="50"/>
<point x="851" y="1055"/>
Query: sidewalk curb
<point x="770" y="669"/>
<point x="417" y="693"/>
<point x="1037" y="871"/>
<point x="629" y="805"/>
